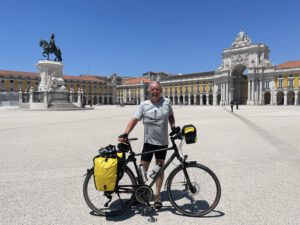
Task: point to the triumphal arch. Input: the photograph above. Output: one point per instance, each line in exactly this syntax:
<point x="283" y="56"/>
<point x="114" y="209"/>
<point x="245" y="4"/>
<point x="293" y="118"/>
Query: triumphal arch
<point x="244" y="66"/>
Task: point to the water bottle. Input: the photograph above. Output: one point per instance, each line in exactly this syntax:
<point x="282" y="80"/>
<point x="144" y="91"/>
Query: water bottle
<point x="155" y="171"/>
<point x="143" y="173"/>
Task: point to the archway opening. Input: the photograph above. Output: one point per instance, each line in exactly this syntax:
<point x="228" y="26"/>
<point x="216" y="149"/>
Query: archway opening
<point x="280" y="98"/>
<point x="290" y="98"/>
<point x="204" y="99"/>
<point x="192" y="100"/>
<point x="239" y="87"/>
<point x="198" y="100"/>
<point x="171" y="99"/>
<point x="176" y="100"/>
<point x="267" y="98"/>
<point x="186" y="100"/>
<point x="218" y="99"/>
<point x="181" y="100"/>
<point x="210" y="99"/>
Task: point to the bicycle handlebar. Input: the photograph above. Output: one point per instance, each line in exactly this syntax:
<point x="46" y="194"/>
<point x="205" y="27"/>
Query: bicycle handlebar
<point x="132" y="139"/>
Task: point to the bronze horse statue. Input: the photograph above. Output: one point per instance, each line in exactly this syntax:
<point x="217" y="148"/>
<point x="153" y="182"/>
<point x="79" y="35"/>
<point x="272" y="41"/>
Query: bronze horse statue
<point x="50" y="49"/>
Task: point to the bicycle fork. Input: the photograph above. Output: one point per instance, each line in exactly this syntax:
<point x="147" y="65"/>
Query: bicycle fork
<point x="189" y="184"/>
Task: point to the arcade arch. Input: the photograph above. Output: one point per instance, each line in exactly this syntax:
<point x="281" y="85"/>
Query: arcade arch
<point x="239" y="89"/>
<point x="267" y="98"/>
<point x="291" y="98"/>
<point x="280" y="98"/>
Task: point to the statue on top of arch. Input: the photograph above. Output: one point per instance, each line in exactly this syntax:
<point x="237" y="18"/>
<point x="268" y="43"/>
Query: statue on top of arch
<point x="241" y="40"/>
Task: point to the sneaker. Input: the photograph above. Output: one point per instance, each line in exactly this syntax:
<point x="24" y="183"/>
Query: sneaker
<point x="157" y="202"/>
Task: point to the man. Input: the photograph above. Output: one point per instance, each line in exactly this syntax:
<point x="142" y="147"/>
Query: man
<point x="156" y="113"/>
<point x="52" y="42"/>
<point x="231" y="105"/>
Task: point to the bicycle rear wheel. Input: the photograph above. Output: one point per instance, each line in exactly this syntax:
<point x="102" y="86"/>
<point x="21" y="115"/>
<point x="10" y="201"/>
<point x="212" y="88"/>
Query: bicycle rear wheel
<point x="121" y="198"/>
<point x="198" y="197"/>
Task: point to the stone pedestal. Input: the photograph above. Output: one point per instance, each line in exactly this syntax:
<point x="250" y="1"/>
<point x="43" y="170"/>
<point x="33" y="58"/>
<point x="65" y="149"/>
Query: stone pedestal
<point x="51" y="74"/>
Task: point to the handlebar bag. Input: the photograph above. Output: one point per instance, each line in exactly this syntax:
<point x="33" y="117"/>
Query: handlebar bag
<point x="190" y="133"/>
<point x="108" y="170"/>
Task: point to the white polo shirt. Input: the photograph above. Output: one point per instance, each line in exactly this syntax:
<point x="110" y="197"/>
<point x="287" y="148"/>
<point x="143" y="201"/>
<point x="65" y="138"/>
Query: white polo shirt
<point x="155" y="119"/>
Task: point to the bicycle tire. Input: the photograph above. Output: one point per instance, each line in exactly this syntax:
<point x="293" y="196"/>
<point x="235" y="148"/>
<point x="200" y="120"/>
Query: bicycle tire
<point x="204" y="182"/>
<point x="122" y="197"/>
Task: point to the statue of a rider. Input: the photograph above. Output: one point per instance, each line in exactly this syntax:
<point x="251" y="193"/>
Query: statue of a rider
<point x="52" y="42"/>
<point x="51" y="48"/>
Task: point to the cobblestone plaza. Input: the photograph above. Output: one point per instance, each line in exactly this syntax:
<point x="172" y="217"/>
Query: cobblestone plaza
<point x="254" y="151"/>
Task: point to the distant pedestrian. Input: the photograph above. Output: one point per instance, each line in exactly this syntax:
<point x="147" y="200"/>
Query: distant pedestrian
<point x="231" y="105"/>
<point x="237" y="105"/>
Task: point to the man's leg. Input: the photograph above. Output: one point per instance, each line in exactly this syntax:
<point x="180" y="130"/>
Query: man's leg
<point x="160" y="179"/>
<point x="145" y="165"/>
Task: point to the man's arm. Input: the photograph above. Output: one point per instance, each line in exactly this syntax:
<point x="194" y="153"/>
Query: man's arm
<point x="172" y="121"/>
<point x="128" y="129"/>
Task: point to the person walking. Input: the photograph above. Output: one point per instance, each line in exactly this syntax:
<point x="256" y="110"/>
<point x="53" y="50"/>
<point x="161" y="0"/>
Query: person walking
<point x="231" y="105"/>
<point x="156" y="113"/>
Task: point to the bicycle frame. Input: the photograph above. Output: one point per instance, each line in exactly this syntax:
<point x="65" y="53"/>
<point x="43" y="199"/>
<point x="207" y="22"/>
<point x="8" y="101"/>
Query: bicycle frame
<point x="132" y="158"/>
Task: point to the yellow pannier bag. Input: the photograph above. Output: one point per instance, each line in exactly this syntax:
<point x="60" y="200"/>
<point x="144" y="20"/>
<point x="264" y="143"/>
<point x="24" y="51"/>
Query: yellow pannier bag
<point x="107" y="170"/>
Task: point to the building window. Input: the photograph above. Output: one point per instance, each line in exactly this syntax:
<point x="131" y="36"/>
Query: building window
<point x="280" y="84"/>
<point x="267" y="85"/>
<point x="291" y="83"/>
<point x="280" y="76"/>
<point x="291" y="75"/>
<point x="11" y="81"/>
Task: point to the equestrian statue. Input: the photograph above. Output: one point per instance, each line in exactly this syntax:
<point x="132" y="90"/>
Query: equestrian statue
<point x="51" y="48"/>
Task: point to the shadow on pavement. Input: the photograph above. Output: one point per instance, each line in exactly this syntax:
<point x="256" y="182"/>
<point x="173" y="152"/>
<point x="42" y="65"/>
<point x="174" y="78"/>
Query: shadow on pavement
<point x="152" y="214"/>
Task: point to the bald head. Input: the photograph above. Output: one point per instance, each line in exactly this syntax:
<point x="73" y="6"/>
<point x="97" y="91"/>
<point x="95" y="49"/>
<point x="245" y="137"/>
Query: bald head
<point x="155" y="84"/>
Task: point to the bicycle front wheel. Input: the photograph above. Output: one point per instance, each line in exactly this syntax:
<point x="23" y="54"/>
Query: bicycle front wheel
<point x="109" y="203"/>
<point x="195" y="192"/>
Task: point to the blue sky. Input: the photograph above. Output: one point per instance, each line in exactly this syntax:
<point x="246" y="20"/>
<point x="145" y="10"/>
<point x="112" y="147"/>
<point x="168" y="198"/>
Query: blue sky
<point x="131" y="37"/>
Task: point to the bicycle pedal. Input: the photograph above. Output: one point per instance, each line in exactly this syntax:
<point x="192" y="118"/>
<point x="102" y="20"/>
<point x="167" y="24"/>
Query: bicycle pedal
<point x="157" y="205"/>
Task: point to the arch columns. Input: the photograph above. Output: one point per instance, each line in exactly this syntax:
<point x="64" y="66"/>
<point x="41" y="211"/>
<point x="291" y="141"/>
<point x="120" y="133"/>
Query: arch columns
<point x="201" y="100"/>
<point x="272" y="98"/>
<point x="296" y="97"/>
<point x="285" y="98"/>
<point x="260" y="92"/>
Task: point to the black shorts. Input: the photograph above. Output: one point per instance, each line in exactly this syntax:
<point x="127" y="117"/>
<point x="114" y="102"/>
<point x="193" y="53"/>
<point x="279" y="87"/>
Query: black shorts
<point x="158" y="155"/>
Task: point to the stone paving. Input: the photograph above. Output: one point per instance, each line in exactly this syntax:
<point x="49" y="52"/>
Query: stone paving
<point x="254" y="151"/>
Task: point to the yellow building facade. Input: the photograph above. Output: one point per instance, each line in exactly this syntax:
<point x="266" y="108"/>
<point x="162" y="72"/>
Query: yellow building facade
<point x="245" y="76"/>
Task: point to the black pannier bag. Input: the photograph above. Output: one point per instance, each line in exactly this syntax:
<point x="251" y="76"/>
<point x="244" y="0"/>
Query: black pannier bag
<point x="190" y="133"/>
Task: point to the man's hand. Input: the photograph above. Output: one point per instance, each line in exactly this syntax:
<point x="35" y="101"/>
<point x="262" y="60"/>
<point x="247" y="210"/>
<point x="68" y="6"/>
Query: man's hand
<point x="175" y="130"/>
<point x="123" y="138"/>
